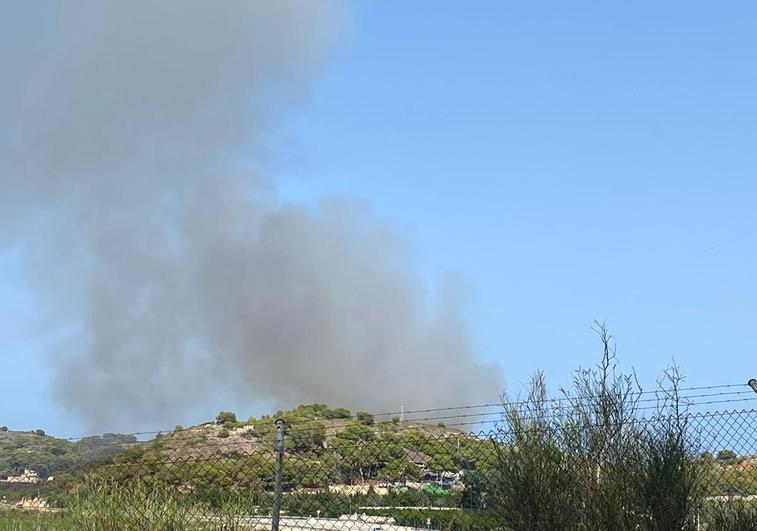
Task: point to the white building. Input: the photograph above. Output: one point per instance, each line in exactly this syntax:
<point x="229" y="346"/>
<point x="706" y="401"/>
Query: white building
<point x="28" y="476"/>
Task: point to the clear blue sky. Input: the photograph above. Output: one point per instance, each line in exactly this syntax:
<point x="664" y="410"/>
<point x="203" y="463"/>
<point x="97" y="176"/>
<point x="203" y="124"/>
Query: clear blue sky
<point x="570" y="161"/>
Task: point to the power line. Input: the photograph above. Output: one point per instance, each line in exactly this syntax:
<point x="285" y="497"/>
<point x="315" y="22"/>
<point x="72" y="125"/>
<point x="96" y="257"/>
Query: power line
<point x="571" y="406"/>
<point x="498" y="429"/>
<point x="552" y="400"/>
<point x="689" y="415"/>
<point x="549" y="415"/>
<point x="568" y="402"/>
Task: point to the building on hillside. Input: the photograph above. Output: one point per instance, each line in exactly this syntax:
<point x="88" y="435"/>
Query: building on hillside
<point x="419" y="459"/>
<point x="748" y="462"/>
<point x="241" y="430"/>
<point x="28" y="476"/>
<point x="360" y="489"/>
<point x="37" y="504"/>
<point x="450" y="479"/>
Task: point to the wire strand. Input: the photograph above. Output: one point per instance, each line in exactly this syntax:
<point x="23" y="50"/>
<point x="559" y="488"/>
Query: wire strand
<point x="568" y="401"/>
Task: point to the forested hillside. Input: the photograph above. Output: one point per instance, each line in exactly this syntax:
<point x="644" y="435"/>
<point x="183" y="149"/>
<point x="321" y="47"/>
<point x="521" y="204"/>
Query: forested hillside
<point x="48" y="455"/>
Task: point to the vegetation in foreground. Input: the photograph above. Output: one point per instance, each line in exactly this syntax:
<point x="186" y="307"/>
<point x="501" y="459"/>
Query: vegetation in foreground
<point x="733" y="515"/>
<point x="591" y="461"/>
<point x="108" y="507"/>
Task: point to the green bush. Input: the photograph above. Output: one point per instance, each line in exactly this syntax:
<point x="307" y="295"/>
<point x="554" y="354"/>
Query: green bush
<point x="111" y="507"/>
<point x="226" y="418"/>
<point x="364" y="417"/>
<point x="590" y="462"/>
<point x="338" y="413"/>
<point x="726" y="456"/>
<point x="537" y="486"/>
<point x="735" y="515"/>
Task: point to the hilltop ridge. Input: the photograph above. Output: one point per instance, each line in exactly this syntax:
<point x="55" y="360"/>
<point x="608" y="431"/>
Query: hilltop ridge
<point x="49" y="455"/>
<point x="308" y="427"/>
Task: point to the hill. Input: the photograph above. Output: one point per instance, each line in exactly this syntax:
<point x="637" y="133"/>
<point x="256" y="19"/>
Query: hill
<point x="330" y="453"/>
<point x="326" y="449"/>
<point x="325" y="446"/>
<point x="309" y="428"/>
<point x="48" y="455"/>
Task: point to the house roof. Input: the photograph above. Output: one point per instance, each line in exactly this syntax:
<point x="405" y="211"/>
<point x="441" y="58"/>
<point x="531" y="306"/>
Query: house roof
<point x="418" y="458"/>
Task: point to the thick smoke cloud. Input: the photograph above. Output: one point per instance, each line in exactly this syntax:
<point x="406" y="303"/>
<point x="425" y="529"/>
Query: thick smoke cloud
<point x="129" y="153"/>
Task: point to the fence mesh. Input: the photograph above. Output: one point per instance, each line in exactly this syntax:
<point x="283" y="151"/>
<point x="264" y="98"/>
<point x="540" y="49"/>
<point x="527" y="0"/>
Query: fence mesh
<point x="699" y="473"/>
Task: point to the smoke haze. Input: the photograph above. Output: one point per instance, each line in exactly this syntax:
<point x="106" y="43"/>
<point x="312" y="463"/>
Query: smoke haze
<point x="129" y="173"/>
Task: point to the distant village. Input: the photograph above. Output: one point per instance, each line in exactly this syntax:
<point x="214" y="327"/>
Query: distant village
<point x="28" y="476"/>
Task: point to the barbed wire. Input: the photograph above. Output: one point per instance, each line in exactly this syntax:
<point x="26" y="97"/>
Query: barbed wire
<point x="262" y="448"/>
<point x="557" y="405"/>
<point x="554" y="400"/>
<point x="571" y="406"/>
<point x="499" y="428"/>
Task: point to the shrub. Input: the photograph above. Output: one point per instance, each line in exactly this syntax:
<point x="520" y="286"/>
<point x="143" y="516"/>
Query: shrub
<point x="671" y="471"/>
<point x="364" y="417"/>
<point x="735" y="515"/>
<point x="338" y="413"/>
<point x="226" y="418"/>
<point x="104" y="506"/>
<point x="536" y="488"/>
<point x="307" y="437"/>
<point x="589" y="461"/>
<point x="726" y="456"/>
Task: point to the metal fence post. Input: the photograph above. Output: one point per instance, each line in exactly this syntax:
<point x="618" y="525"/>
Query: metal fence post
<point x="279" y="475"/>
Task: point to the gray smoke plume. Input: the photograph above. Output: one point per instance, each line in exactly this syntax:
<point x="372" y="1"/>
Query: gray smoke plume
<point x="133" y="135"/>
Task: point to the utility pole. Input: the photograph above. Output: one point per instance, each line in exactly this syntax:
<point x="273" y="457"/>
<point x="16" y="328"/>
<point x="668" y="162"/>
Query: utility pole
<point x="279" y="480"/>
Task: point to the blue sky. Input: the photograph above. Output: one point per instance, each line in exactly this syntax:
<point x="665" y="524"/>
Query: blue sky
<point x="570" y="162"/>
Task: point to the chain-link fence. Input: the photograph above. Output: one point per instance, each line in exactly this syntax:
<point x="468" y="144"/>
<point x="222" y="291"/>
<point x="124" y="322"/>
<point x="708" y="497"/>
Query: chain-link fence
<point x="686" y="471"/>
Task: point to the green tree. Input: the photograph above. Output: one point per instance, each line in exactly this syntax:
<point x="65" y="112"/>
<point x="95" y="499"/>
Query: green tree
<point x="226" y="418"/>
<point x="364" y="417"/>
<point x="726" y="456"/>
<point x="338" y="413"/>
<point x="357" y="453"/>
<point x="394" y="470"/>
<point x="441" y="462"/>
<point x="308" y="437"/>
<point x="355" y="432"/>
